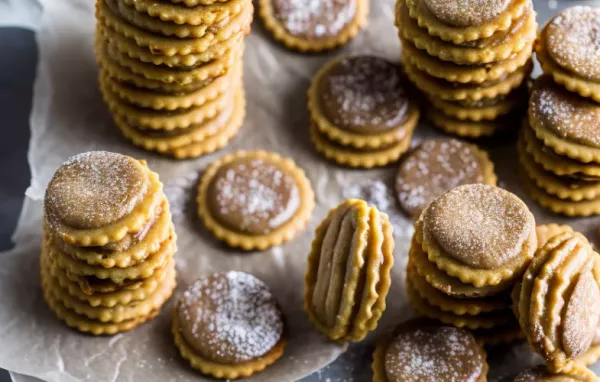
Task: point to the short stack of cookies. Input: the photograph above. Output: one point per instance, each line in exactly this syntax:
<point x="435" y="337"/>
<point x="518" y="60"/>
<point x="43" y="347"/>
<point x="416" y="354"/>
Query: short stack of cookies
<point x="559" y="146"/>
<point x="471" y="59"/>
<point x="171" y="71"/>
<point x="361" y="113"/>
<point x="471" y="245"/>
<point x="107" y="256"/>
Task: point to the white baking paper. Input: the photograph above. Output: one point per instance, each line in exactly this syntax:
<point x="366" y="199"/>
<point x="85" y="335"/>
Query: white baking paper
<point x="69" y="117"/>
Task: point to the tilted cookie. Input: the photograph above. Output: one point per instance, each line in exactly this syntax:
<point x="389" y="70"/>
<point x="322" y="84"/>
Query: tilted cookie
<point x="558" y="300"/>
<point x="348" y="274"/>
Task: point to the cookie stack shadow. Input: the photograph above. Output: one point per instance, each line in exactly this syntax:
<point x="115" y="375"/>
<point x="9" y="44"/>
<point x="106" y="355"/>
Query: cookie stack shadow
<point x="559" y="145"/>
<point x="449" y="279"/>
<point x="171" y="72"/>
<point x="107" y="254"/>
<point x="472" y="67"/>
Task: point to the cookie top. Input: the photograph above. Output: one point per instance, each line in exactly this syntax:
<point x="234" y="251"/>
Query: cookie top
<point x="465" y="13"/>
<point x="94" y="189"/>
<point x="424" y="351"/>
<point x="541" y="374"/>
<point x="253" y="195"/>
<point x="230" y="317"/>
<point x="566" y="114"/>
<point x="573" y="41"/>
<point x="364" y="94"/>
<point x="433" y="168"/>
<point x="581" y="317"/>
<point x="314" y="20"/>
<point x="478" y="225"/>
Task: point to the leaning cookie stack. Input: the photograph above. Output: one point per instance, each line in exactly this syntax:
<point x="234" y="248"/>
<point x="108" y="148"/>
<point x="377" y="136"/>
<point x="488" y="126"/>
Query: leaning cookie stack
<point x="469" y="248"/>
<point x="559" y="147"/>
<point x="361" y="114"/>
<point x="471" y="59"/>
<point x="171" y="71"/>
<point x="107" y="256"/>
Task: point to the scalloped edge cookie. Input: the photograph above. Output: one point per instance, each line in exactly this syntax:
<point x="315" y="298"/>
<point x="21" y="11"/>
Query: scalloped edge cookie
<point x="347" y="138"/>
<point x="276" y="237"/>
<point x="458" y="35"/>
<point x="224" y="371"/>
<point x="279" y="33"/>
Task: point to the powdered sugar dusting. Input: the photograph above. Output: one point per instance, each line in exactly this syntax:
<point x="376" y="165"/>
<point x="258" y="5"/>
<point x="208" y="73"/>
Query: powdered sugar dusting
<point x="314" y="19"/>
<point x="570" y="116"/>
<point x="364" y="94"/>
<point x="581" y="315"/>
<point x="434" y="353"/>
<point x="255" y="195"/>
<point x="479" y="225"/>
<point x="93" y="189"/>
<point x="573" y="40"/>
<point x="434" y="168"/>
<point x="231" y="316"/>
<point x="466" y="12"/>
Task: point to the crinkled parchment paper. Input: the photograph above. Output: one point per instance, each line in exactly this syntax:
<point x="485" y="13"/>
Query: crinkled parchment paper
<point x="69" y="117"/>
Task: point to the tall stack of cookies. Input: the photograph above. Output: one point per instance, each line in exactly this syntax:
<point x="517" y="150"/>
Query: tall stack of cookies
<point x="471" y="245"/>
<point x="559" y="146"/>
<point x="107" y="256"/>
<point x="471" y="60"/>
<point x="361" y="114"/>
<point x="171" y="71"/>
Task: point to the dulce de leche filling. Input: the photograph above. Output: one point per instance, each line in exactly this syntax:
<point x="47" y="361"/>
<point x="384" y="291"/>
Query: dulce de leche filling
<point x="253" y="195"/>
<point x="314" y="20"/>
<point x="94" y="189"/>
<point x="365" y="95"/>
<point x="425" y="351"/>
<point x="465" y="13"/>
<point x="230" y="318"/>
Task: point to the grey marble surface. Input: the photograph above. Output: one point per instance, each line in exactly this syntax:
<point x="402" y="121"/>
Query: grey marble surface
<point x="18" y="55"/>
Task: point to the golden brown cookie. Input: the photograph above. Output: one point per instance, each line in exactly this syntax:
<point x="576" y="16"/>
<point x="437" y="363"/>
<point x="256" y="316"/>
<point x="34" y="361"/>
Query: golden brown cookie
<point x="437" y="166"/>
<point x="465" y="21"/>
<point x="212" y="13"/>
<point x="558" y="301"/>
<point x="565" y="122"/>
<point x="443" y="282"/>
<point x="209" y="134"/>
<point x="555" y="163"/>
<point x="99" y="197"/>
<point x="480" y="234"/>
<point x="228" y="325"/>
<point x="422" y="350"/>
<point x="592" y="355"/>
<point x="254" y="199"/>
<point x="568" y="50"/>
<point x="362" y="102"/>
<point x="313" y="27"/>
<point x="454" y="91"/>
<point x="498" y="47"/>
<point x="564" y="187"/>
<point x="348" y="273"/>
<point x="546" y="232"/>
<point x="359" y="158"/>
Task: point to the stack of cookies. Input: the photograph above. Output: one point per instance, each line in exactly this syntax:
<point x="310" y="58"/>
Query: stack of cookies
<point x="471" y="60"/>
<point x="171" y="71"/>
<point x="107" y="255"/>
<point x="559" y="146"/>
<point x="361" y="114"/>
<point x="470" y="247"/>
